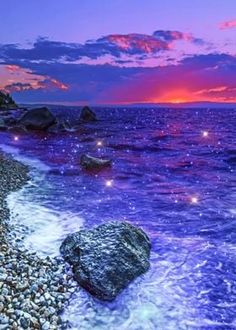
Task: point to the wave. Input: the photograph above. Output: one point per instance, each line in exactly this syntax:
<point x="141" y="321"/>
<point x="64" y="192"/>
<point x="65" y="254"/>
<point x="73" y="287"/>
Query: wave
<point x="42" y="227"/>
<point x="29" y="161"/>
<point x="46" y="227"/>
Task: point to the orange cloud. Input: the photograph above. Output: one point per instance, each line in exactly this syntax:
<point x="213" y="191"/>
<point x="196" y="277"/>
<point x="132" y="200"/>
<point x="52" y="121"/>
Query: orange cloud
<point x="228" y="25"/>
<point x="142" y="43"/>
<point x="17" y="79"/>
<point x="59" y="84"/>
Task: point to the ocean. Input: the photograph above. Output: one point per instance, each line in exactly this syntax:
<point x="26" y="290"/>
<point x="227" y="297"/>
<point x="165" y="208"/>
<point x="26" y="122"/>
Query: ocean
<point x="173" y="175"/>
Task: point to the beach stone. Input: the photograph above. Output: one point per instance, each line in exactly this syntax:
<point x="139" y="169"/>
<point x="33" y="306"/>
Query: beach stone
<point x="46" y="326"/>
<point x="87" y="115"/>
<point x="89" y="163"/>
<point x="107" y="258"/>
<point x="37" y="119"/>
<point x="24" y="322"/>
<point x="26" y="278"/>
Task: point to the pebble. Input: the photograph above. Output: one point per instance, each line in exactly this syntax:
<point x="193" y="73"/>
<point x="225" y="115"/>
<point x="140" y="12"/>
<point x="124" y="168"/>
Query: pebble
<point x="33" y="290"/>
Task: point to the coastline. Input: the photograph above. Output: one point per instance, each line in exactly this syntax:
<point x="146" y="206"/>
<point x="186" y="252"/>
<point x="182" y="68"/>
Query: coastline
<point x="34" y="290"/>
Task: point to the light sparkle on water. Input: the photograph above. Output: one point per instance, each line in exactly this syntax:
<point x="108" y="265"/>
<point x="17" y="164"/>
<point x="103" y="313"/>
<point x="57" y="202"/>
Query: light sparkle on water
<point x="109" y="183"/>
<point x="99" y="143"/>
<point x="194" y="200"/>
<point x="205" y="134"/>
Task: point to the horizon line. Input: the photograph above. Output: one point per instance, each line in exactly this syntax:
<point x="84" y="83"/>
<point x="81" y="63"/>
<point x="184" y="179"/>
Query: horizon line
<point x="174" y="104"/>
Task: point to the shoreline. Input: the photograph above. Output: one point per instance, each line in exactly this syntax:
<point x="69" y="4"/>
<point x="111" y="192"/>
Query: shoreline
<point x="34" y="290"/>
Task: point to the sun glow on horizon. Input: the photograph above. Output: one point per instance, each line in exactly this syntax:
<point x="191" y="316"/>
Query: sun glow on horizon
<point x="175" y="96"/>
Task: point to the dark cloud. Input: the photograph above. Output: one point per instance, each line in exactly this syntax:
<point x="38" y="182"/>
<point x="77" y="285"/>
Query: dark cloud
<point x="115" y="45"/>
<point x="171" y="36"/>
<point x="214" y="61"/>
<point x="17" y="87"/>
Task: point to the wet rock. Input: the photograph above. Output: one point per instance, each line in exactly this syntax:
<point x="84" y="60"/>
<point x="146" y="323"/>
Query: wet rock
<point x="25" y="323"/>
<point x="91" y="163"/>
<point x="87" y="115"/>
<point x="61" y="126"/>
<point x="107" y="258"/>
<point x="17" y="129"/>
<point x="37" y="119"/>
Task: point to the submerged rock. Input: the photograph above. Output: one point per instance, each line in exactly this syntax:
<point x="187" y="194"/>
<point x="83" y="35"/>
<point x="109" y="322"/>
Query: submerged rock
<point x="37" y="119"/>
<point x="91" y="163"/>
<point x="87" y="114"/>
<point x="107" y="258"/>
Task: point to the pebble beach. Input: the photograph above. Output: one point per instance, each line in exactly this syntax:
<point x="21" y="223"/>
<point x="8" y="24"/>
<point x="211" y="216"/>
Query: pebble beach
<point x="33" y="290"/>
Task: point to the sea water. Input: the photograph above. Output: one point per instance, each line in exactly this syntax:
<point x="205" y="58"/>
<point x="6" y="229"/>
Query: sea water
<point x="173" y="174"/>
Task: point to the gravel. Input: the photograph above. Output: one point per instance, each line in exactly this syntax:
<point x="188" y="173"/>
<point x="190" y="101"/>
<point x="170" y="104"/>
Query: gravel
<point x="33" y="290"/>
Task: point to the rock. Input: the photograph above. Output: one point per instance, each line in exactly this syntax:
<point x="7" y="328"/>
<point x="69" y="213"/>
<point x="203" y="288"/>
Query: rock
<point x="87" y="115"/>
<point x="25" y="323"/>
<point x="10" y="120"/>
<point x="62" y="126"/>
<point x="17" y="129"/>
<point x="6" y="101"/>
<point x="91" y="163"/>
<point x="107" y="258"/>
<point x="37" y="119"/>
<point x="46" y="326"/>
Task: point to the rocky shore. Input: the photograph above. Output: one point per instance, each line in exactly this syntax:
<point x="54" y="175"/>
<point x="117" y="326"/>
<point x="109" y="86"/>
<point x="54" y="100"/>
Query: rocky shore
<point x="33" y="290"/>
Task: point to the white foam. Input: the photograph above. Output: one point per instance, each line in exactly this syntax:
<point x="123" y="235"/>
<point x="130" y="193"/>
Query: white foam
<point x="32" y="162"/>
<point x="48" y="227"/>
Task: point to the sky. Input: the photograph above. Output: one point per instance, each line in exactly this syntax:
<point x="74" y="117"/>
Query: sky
<point x="118" y="52"/>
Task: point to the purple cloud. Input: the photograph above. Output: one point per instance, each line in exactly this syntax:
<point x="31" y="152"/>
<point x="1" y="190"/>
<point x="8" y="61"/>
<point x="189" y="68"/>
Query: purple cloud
<point x="115" y="45"/>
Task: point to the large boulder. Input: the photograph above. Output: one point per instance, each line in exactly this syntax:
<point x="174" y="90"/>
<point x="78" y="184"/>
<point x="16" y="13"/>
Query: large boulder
<point x="6" y="101"/>
<point x="87" y="115"/>
<point x="37" y="119"/>
<point x="92" y="163"/>
<point x="107" y="258"/>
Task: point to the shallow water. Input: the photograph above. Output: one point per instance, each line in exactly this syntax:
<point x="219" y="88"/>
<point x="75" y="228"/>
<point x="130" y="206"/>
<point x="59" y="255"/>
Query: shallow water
<point x="170" y="178"/>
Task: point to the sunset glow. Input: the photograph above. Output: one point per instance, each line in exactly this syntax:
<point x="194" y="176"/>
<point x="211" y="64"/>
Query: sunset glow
<point x="118" y="161"/>
<point x="169" y="60"/>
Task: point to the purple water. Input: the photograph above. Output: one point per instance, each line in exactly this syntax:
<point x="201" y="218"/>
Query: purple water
<point x="173" y="174"/>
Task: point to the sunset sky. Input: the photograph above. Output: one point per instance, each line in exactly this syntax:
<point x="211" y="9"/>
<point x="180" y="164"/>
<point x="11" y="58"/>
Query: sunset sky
<point x="120" y="51"/>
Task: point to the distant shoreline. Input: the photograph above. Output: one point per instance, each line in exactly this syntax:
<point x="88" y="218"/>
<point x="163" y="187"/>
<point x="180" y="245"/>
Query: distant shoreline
<point x="190" y="105"/>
